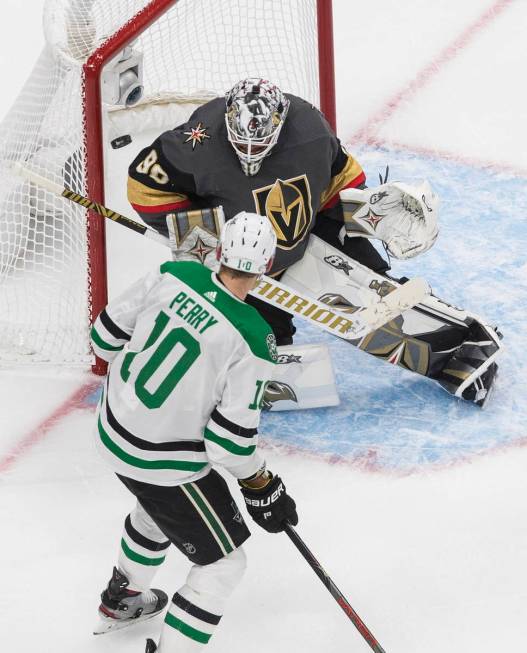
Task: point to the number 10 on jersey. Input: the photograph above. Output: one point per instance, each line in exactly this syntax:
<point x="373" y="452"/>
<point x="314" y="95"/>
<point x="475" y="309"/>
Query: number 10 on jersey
<point x="177" y="346"/>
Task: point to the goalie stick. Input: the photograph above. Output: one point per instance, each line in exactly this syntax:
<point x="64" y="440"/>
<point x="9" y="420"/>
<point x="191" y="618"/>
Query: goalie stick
<point x="332" y="588"/>
<point x="349" y="326"/>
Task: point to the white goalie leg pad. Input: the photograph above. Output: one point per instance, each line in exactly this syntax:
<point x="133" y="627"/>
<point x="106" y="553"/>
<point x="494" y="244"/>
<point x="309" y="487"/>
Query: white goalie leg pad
<point x="303" y="378"/>
<point x="333" y="278"/>
<point x="198" y="606"/>
<point x="343" y="283"/>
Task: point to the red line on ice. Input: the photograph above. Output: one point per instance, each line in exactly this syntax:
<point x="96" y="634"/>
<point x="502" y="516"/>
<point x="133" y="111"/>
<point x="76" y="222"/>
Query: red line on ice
<point x="367" y="460"/>
<point x="366" y="133"/>
<point x="37" y="434"/>
<point x="474" y="162"/>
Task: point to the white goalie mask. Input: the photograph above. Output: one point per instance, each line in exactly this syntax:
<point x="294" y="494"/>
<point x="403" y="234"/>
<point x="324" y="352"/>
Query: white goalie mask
<point x="255" y="113"/>
<point x="247" y="243"/>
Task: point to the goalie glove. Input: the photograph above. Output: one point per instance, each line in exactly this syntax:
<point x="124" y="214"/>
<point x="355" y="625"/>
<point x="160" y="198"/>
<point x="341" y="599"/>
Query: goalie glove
<point x="404" y="217"/>
<point x="270" y="506"/>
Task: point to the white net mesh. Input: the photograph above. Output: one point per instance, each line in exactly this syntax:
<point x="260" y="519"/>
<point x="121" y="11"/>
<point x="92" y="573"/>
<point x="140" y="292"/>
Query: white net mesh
<point x="197" y="48"/>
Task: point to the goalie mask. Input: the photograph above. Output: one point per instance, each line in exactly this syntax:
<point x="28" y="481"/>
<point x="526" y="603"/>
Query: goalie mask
<point x="255" y="113"/>
<point x="247" y="243"/>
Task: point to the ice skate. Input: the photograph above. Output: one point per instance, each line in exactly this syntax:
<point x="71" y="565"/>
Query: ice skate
<point x="121" y="607"/>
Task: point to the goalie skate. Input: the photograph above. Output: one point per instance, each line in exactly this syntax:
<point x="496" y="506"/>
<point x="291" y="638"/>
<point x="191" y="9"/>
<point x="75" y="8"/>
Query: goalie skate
<point x="121" y="607"/>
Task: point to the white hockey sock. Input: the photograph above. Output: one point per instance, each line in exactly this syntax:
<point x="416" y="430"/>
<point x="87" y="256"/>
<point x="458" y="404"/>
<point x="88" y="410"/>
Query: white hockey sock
<point x="143" y="549"/>
<point x="197" y="607"/>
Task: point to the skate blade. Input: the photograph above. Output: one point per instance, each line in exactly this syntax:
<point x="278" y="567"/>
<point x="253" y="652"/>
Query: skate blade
<point x="107" y="624"/>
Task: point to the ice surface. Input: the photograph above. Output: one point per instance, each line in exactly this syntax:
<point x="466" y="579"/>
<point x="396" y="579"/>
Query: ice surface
<point x="413" y="501"/>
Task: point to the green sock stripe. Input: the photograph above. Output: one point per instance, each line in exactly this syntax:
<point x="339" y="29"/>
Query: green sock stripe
<point x="228" y="444"/>
<point x="180" y="465"/>
<point x="136" y="557"/>
<point x="216" y="526"/>
<point x="187" y="630"/>
<point x="101" y="343"/>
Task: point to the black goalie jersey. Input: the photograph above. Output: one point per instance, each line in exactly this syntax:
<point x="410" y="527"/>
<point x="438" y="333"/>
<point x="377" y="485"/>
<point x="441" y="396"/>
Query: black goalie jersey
<point x="195" y="166"/>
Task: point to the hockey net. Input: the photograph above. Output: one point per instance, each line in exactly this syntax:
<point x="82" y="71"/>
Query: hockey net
<point x="69" y="122"/>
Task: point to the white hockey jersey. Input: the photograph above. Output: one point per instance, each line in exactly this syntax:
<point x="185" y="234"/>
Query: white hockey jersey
<point x="188" y="367"/>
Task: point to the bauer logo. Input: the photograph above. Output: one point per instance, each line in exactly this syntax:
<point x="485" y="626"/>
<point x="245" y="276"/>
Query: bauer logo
<point x="266" y="501"/>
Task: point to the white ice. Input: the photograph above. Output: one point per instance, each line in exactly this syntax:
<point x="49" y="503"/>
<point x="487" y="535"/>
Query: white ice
<point x="434" y="559"/>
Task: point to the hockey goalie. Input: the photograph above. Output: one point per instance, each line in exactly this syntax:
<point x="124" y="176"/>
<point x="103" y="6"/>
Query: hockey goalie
<point x="270" y="152"/>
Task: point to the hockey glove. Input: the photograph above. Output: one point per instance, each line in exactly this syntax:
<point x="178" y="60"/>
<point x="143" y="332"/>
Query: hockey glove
<point x="404" y="217"/>
<point x="270" y="506"/>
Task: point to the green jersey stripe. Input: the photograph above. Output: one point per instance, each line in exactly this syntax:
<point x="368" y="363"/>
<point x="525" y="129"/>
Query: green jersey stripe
<point x="182" y="465"/>
<point x="214" y="514"/>
<point x="214" y="525"/>
<point x="187" y="630"/>
<point x="230" y="446"/>
<point x="101" y="343"/>
<point x="136" y="557"/>
<point x="244" y="318"/>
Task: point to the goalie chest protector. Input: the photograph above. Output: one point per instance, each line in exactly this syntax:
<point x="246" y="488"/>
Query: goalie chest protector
<point x="202" y="164"/>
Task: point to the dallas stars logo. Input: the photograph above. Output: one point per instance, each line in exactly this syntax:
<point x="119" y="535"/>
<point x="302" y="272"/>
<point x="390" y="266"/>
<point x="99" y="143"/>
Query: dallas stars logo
<point x="196" y="135"/>
<point x="200" y="250"/>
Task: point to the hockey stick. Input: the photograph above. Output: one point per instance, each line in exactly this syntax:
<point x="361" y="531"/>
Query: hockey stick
<point x="333" y="589"/>
<point x="349" y="326"/>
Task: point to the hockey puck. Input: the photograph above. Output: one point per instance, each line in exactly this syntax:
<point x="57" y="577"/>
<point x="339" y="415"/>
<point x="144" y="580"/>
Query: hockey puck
<point x="121" y="141"/>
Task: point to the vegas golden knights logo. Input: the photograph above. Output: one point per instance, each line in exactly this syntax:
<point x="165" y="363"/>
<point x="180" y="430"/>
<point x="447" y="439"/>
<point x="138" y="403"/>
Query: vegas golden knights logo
<point x="287" y="204"/>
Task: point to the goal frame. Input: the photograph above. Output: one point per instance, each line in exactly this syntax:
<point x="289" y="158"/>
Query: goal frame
<point x="93" y="130"/>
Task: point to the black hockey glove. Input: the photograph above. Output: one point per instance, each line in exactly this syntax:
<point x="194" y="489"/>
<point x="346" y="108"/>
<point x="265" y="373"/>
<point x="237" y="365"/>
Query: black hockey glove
<point x="270" y="506"/>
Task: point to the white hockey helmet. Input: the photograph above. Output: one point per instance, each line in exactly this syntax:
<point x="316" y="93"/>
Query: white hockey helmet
<point x="247" y="243"/>
<point x="255" y="112"/>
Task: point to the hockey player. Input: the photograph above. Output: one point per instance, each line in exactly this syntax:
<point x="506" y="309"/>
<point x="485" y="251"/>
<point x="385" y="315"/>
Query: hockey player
<point x="188" y="365"/>
<point x="265" y="151"/>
